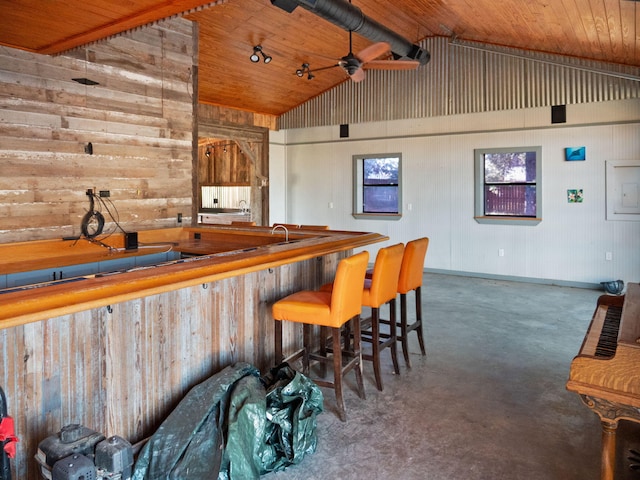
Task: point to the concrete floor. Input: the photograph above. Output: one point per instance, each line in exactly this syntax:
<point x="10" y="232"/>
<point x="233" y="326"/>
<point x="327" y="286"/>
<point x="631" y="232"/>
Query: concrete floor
<point x="487" y="402"/>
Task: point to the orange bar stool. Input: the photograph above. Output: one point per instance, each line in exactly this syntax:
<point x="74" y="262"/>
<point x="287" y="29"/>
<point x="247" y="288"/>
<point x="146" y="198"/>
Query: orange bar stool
<point x="411" y="279"/>
<point x="329" y="309"/>
<point x="379" y="290"/>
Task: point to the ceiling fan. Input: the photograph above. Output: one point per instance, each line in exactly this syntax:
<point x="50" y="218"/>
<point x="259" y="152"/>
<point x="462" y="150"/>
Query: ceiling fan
<point x="369" y="59"/>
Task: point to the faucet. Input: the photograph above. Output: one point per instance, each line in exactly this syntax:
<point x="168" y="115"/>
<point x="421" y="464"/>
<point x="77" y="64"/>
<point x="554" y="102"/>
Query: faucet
<point x="243" y="206"/>
<point x="286" y="231"/>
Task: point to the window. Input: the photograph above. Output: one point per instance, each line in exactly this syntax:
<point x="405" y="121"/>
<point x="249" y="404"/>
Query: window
<point x="377" y="186"/>
<point x="508" y="185"/>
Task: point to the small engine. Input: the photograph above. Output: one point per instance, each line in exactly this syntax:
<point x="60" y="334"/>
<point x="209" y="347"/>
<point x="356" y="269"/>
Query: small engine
<point x="79" y="453"/>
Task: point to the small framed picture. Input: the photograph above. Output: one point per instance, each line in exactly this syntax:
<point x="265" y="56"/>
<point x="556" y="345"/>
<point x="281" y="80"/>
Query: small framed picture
<point x="575" y="196"/>
<point x="574" y="153"/>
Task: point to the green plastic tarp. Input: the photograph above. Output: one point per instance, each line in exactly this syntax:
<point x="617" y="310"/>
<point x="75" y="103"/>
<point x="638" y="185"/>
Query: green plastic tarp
<point x="235" y="425"/>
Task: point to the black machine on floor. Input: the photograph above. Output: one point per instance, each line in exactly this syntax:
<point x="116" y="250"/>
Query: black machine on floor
<point x="77" y="452"/>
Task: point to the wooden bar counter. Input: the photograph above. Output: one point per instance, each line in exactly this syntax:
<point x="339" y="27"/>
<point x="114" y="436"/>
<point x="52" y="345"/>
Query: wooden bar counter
<point x="116" y="350"/>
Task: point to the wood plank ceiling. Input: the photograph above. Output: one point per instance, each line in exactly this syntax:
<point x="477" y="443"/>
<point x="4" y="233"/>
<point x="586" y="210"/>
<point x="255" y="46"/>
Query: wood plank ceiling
<point x="603" y="30"/>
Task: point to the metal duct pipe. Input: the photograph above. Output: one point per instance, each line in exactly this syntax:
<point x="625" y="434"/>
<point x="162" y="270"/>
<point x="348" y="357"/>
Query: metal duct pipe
<point x="350" y="18"/>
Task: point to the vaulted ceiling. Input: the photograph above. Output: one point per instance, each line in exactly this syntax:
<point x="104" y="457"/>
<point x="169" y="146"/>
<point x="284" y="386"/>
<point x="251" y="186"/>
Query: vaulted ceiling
<point x="603" y="30"/>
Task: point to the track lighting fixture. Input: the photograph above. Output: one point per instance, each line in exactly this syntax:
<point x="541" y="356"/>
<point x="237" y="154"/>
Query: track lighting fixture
<point x="256" y="58"/>
<point x="208" y="151"/>
<point x="305" y="69"/>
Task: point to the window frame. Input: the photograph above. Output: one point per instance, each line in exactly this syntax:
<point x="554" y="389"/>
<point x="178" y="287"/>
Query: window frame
<point x="479" y="179"/>
<point x="358" y="187"/>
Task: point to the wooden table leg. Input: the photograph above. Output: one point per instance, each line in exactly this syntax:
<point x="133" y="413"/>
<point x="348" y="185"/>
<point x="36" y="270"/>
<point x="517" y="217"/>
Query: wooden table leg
<point x="608" y="466"/>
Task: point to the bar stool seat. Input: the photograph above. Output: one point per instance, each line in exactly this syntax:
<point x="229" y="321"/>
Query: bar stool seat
<point x="329" y="310"/>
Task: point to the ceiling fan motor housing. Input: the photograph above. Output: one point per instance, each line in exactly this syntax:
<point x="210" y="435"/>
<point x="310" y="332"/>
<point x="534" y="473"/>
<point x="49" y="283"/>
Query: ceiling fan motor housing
<point x="350" y="63"/>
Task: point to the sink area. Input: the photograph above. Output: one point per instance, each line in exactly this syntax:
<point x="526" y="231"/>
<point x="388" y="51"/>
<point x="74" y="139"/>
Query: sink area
<point x="223" y="215"/>
<point x="234" y="211"/>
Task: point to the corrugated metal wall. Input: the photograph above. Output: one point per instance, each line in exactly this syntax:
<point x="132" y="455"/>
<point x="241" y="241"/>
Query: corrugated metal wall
<point x="467" y="78"/>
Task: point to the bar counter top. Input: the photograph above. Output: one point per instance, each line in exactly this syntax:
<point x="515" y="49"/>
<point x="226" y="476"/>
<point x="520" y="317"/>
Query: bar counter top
<point x="207" y="254"/>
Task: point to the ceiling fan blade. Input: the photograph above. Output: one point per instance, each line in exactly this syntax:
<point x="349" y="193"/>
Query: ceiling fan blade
<point x="392" y="65"/>
<point x="374" y="51"/>
<point x="358" y="76"/>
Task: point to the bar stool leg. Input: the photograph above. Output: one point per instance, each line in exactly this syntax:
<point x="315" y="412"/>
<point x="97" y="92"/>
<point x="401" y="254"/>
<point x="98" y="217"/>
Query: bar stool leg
<point x="393" y="336"/>
<point x="404" y="330"/>
<point x="278" y="341"/>
<point x="337" y="373"/>
<point x="323" y="350"/>
<point x="419" y="319"/>
<point x="306" y="332"/>
<point x="375" y="346"/>
<point x="357" y="352"/>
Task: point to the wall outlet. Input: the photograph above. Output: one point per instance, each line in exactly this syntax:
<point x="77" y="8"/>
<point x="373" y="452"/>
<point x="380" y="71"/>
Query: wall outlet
<point x="501" y="252"/>
<point x="105" y="193"/>
<point x="608" y="256"/>
<point x="179" y="218"/>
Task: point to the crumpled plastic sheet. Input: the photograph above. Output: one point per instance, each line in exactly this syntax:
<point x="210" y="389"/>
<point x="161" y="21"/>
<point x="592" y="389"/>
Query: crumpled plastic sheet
<point x="293" y="403"/>
<point x="235" y="426"/>
<point x="189" y="443"/>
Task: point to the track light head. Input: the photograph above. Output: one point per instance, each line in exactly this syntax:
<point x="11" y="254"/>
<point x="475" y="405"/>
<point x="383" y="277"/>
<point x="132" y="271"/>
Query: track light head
<point x="254" y="56"/>
<point x="304" y="68"/>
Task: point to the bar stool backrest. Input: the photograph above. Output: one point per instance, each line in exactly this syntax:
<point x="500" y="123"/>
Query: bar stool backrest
<point x="386" y="270"/>
<point x="412" y="265"/>
<point x="346" y="295"/>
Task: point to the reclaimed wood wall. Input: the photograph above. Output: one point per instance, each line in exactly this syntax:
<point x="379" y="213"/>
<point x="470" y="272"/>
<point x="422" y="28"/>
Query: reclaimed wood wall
<point x="139" y="121"/>
<point x="222" y="162"/>
<point x="122" y="372"/>
<point x="253" y="140"/>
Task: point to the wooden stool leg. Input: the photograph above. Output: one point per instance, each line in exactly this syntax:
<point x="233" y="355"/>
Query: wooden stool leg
<point x="323" y="351"/>
<point x="393" y="336"/>
<point x="375" y="346"/>
<point x="278" y="342"/>
<point x="307" y="348"/>
<point x="404" y="330"/>
<point x="346" y="336"/>
<point x="357" y="353"/>
<point x="419" y="319"/>
<point x="337" y="373"/>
